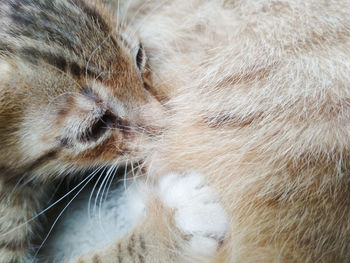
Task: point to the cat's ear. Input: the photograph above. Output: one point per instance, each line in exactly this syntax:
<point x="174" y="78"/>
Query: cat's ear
<point x="140" y="58"/>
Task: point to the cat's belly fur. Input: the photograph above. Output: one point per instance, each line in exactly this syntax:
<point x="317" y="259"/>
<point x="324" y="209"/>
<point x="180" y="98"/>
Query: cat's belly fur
<point x="81" y="230"/>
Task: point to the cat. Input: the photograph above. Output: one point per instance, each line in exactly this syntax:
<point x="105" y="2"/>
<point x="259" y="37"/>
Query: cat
<point x="75" y="96"/>
<point x="259" y="99"/>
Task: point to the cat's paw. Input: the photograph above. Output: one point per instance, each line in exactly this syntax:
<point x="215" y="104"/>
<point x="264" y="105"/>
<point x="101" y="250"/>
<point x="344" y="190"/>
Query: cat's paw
<point x="198" y="211"/>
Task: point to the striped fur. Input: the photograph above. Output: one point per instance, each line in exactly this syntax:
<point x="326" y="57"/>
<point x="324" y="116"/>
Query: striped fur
<point x="72" y="98"/>
<point x="260" y="95"/>
<point x="259" y="90"/>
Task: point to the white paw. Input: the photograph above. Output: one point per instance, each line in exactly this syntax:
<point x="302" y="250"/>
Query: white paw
<point x="199" y="213"/>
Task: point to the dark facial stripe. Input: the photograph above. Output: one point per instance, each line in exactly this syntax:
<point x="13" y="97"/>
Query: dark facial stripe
<point x="6" y="48"/>
<point x="53" y="23"/>
<point x="14" y="246"/>
<point x="11" y="177"/>
<point x="92" y="13"/>
<point x="16" y="5"/>
<point x="43" y="21"/>
<point x="46" y="157"/>
<point x="33" y="56"/>
<point x="78" y="71"/>
<point x="30" y="54"/>
<point x="55" y="60"/>
<point x="75" y="69"/>
<point x="64" y="142"/>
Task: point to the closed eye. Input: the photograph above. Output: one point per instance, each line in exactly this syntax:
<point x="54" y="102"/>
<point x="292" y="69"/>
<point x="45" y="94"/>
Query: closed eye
<point x="140" y="58"/>
<point x="99" y="127"/>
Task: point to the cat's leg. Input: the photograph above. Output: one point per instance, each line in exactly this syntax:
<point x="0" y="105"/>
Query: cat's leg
<point x="184" y="222"/>
<point x="18" y="205"/>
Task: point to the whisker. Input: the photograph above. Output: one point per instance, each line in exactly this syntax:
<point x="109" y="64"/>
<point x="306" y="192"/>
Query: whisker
<point x="92" y="192"/>
<point x="55" y="191"/>
<point x="99" y="190"/>
<point x="17" y="186"/>
<point x="100" y="74"/>
<point x="111" y="181"/>
<point x="137" y="129"/>
<point x="47" y="208"/>
<point x="125" y="170"/>
<point x="128" y="179"/>
<point x="132" y="171"/>
<point x="104" y="185"/>
<point x="60" y="214"/>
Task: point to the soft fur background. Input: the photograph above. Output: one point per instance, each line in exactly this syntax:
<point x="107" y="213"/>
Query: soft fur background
<point x="260" y="92"/>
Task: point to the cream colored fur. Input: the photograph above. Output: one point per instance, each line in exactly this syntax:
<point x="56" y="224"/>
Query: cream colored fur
<point x="261" y="108"/>
<point x="259" y="101"/>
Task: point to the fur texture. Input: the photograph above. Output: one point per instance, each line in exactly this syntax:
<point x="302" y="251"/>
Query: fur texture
<point x="261" y="108"/>
<point x="259" y="95"/>
<point x="74" y="96"/>
<point x="87" y="226"/>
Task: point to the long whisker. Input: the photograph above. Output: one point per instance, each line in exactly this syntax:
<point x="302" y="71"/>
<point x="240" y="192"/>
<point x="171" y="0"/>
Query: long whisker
<point x="140" y="166"/>
<point x="99" y="190"/>
<point x="136" y="129"/>
<point x="18" y="185"/>
<point x="47" y="208"/>
<point x="103" y="185"/>
<point x="100" y="74"/>
<point x="60" y="214"/>
<point x="113" y="173"/>
<point x="55" y="191"/>
<point x="92" y="191"/>
<point x="125" y="170"/>
<point x="133" y="173"/>
<point x="129" y="179"/>
<point x="111" y="176"/>
<point x="104" y="182"/>
<point x="111" y="181"/>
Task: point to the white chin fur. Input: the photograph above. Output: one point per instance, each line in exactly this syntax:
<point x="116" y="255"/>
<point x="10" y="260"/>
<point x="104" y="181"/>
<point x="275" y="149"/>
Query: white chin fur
<point x="77" y="232"/>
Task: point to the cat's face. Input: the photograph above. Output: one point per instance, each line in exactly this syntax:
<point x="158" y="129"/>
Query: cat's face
<point x="72" y="89"/>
